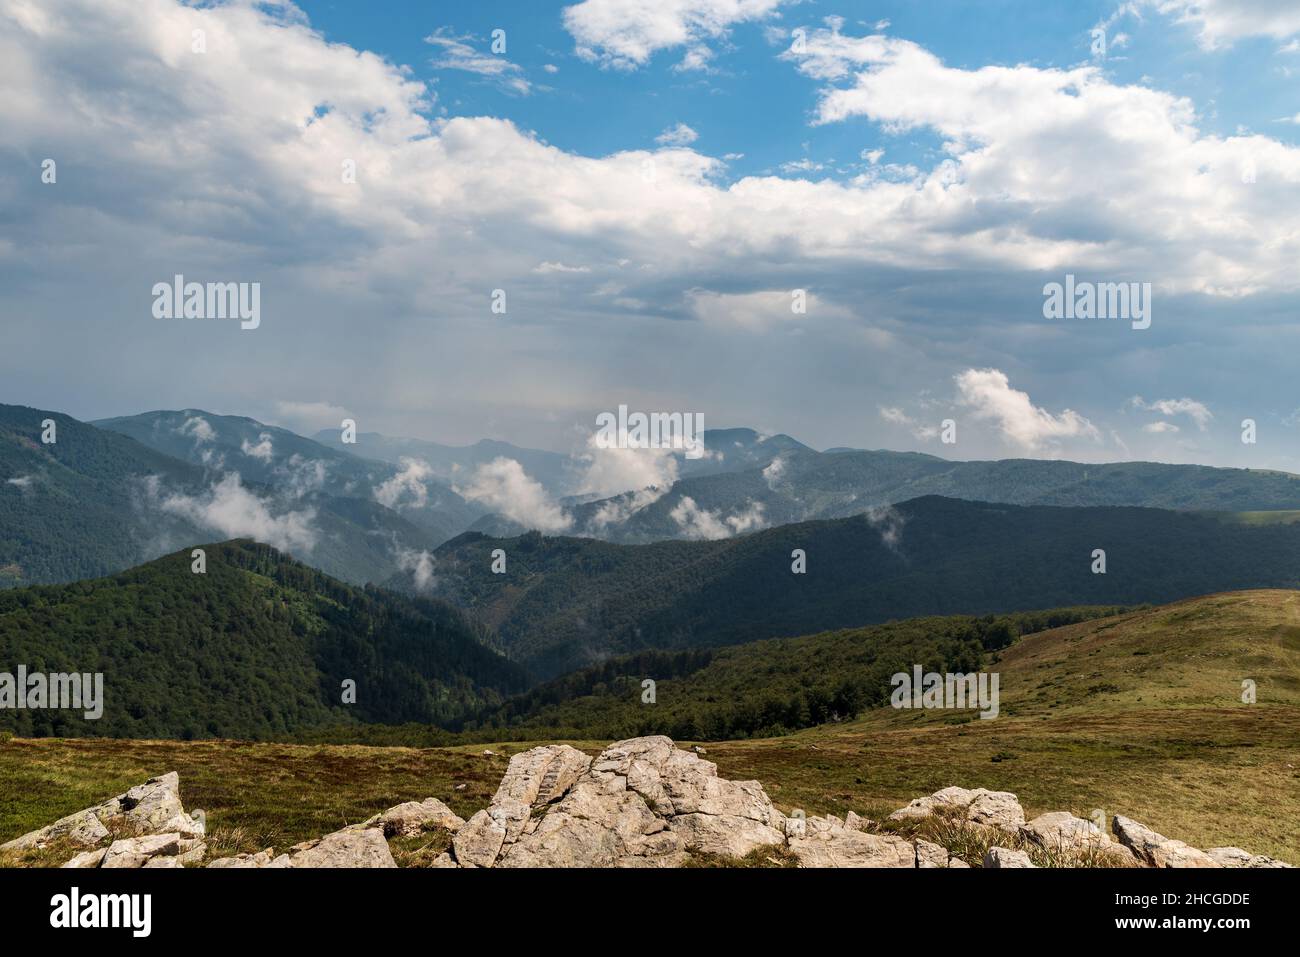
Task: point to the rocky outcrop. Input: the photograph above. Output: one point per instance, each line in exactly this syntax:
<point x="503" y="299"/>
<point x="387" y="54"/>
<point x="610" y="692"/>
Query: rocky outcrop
<point x="1236" y="857"/>
<point x="1156" y="850"/>
<point x="998" y="809"/>
<point x="641" y="803"/>
<point x="150" y="808"/>
<point x="414" y="817"/>
<point x="1002" y="857"/>
<point x="148" y="821"/>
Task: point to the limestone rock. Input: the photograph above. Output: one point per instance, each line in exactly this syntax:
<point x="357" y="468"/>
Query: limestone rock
<point x="409" y="819"/>
<point x="1156" y="849"/>
<point x="840" y="847"/>
<point x="930" y="855"/>
<point x="150" y="808"/>
<point x="478" y="843"/>
<point x="87" y="858"/>
<point x="350" y="847"/>
<point x="1006" y="857"/>
<point x="137" y="851"/>
<point x="1236" y="857"/>
<point x="999" y="809"/>
<point x="260" y="859"/>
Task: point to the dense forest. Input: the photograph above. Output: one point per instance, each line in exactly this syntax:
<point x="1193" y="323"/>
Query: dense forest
<point x="257" y="647"/>
<point x="763" y="689"/>
<point x="565" y="603"/>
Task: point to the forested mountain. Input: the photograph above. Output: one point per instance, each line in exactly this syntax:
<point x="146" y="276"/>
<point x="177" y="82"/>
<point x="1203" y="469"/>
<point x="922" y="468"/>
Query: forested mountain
<point x="801" y="485"/>
<point x="257" y="647"/>
<point x="761" y="689"/>
<point x="557" y="473"/>
<point x="94" y="502"/>
<point x="74" y="508"/>
<point x="564" y="602"/>
<point x="290" y="463"/>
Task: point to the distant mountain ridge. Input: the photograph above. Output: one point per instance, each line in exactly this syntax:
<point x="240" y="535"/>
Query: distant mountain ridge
<point x="569" y="602"/>
<point x="797" y="486"/>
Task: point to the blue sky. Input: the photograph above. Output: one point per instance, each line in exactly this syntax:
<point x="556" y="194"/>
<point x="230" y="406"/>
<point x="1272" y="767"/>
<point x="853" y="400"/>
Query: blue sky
<point x="649" y="184"/>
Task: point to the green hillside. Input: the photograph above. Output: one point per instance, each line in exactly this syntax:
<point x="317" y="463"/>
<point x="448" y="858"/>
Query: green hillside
<point x="258" y="647"/>
<point x="764" y="688"/>
<point x="73" y="508"/>
<point x="566" y="602"/>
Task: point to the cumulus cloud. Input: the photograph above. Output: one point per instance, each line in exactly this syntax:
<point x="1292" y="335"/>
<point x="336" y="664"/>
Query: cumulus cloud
<point x="626" y="33"/>
<point x="679" y="135"/>
<point x="22" y="481"/>
<point x="1222" y="22"/>
<point x="613" y="470"/>
<point x="503" y="486"/>
<point x="232" y="511"/>
<point x="988" y="393"/>
<point x="408" y="488"/>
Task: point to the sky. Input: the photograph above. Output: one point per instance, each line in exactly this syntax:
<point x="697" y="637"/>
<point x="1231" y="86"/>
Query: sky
<point x="834" y="220"/>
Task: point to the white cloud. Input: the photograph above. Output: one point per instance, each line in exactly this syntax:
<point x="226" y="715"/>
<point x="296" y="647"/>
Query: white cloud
<point x="22" y="481"/>
<point x="773" y="472"/>
<point x="679" y="135"/>
<point x="1222" y="22"/>
<point x="700" y="523"/>
<point x="420" y="566"/>
<point x="988" y="393"/>
<point x="263" y="450"/>
<point x="311" y="416"/>
<point x="547" y="268"/>
<point x="617" y="510"/>
<point x="234" y="512"/>
<point x="626" y="33"/>
<point x="457" y="53"/>
<point x="199" y="428"/>
<point x="1159" y="428"/>
<point x="611" y="471"/>
<point x="503" y="486"/>
<point x="920" y="430"/>
<point x="1198" y="412"/>
<point x="408" y="488"/>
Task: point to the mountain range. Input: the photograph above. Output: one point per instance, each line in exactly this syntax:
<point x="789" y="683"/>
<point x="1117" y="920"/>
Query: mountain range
<point x="569" y="602"/>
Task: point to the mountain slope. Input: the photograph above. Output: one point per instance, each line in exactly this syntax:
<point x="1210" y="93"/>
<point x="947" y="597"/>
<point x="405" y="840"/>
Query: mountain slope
<point x="763" y="688"/>
<point x="554" y="471"/>
<point x="288" y="462"/>
<point x="73" y="508"/>
<point x="96" y="501"/>
<point x="568" y="602"/>
<point x="801" y="485"/>
<point x="257" y="647"/>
